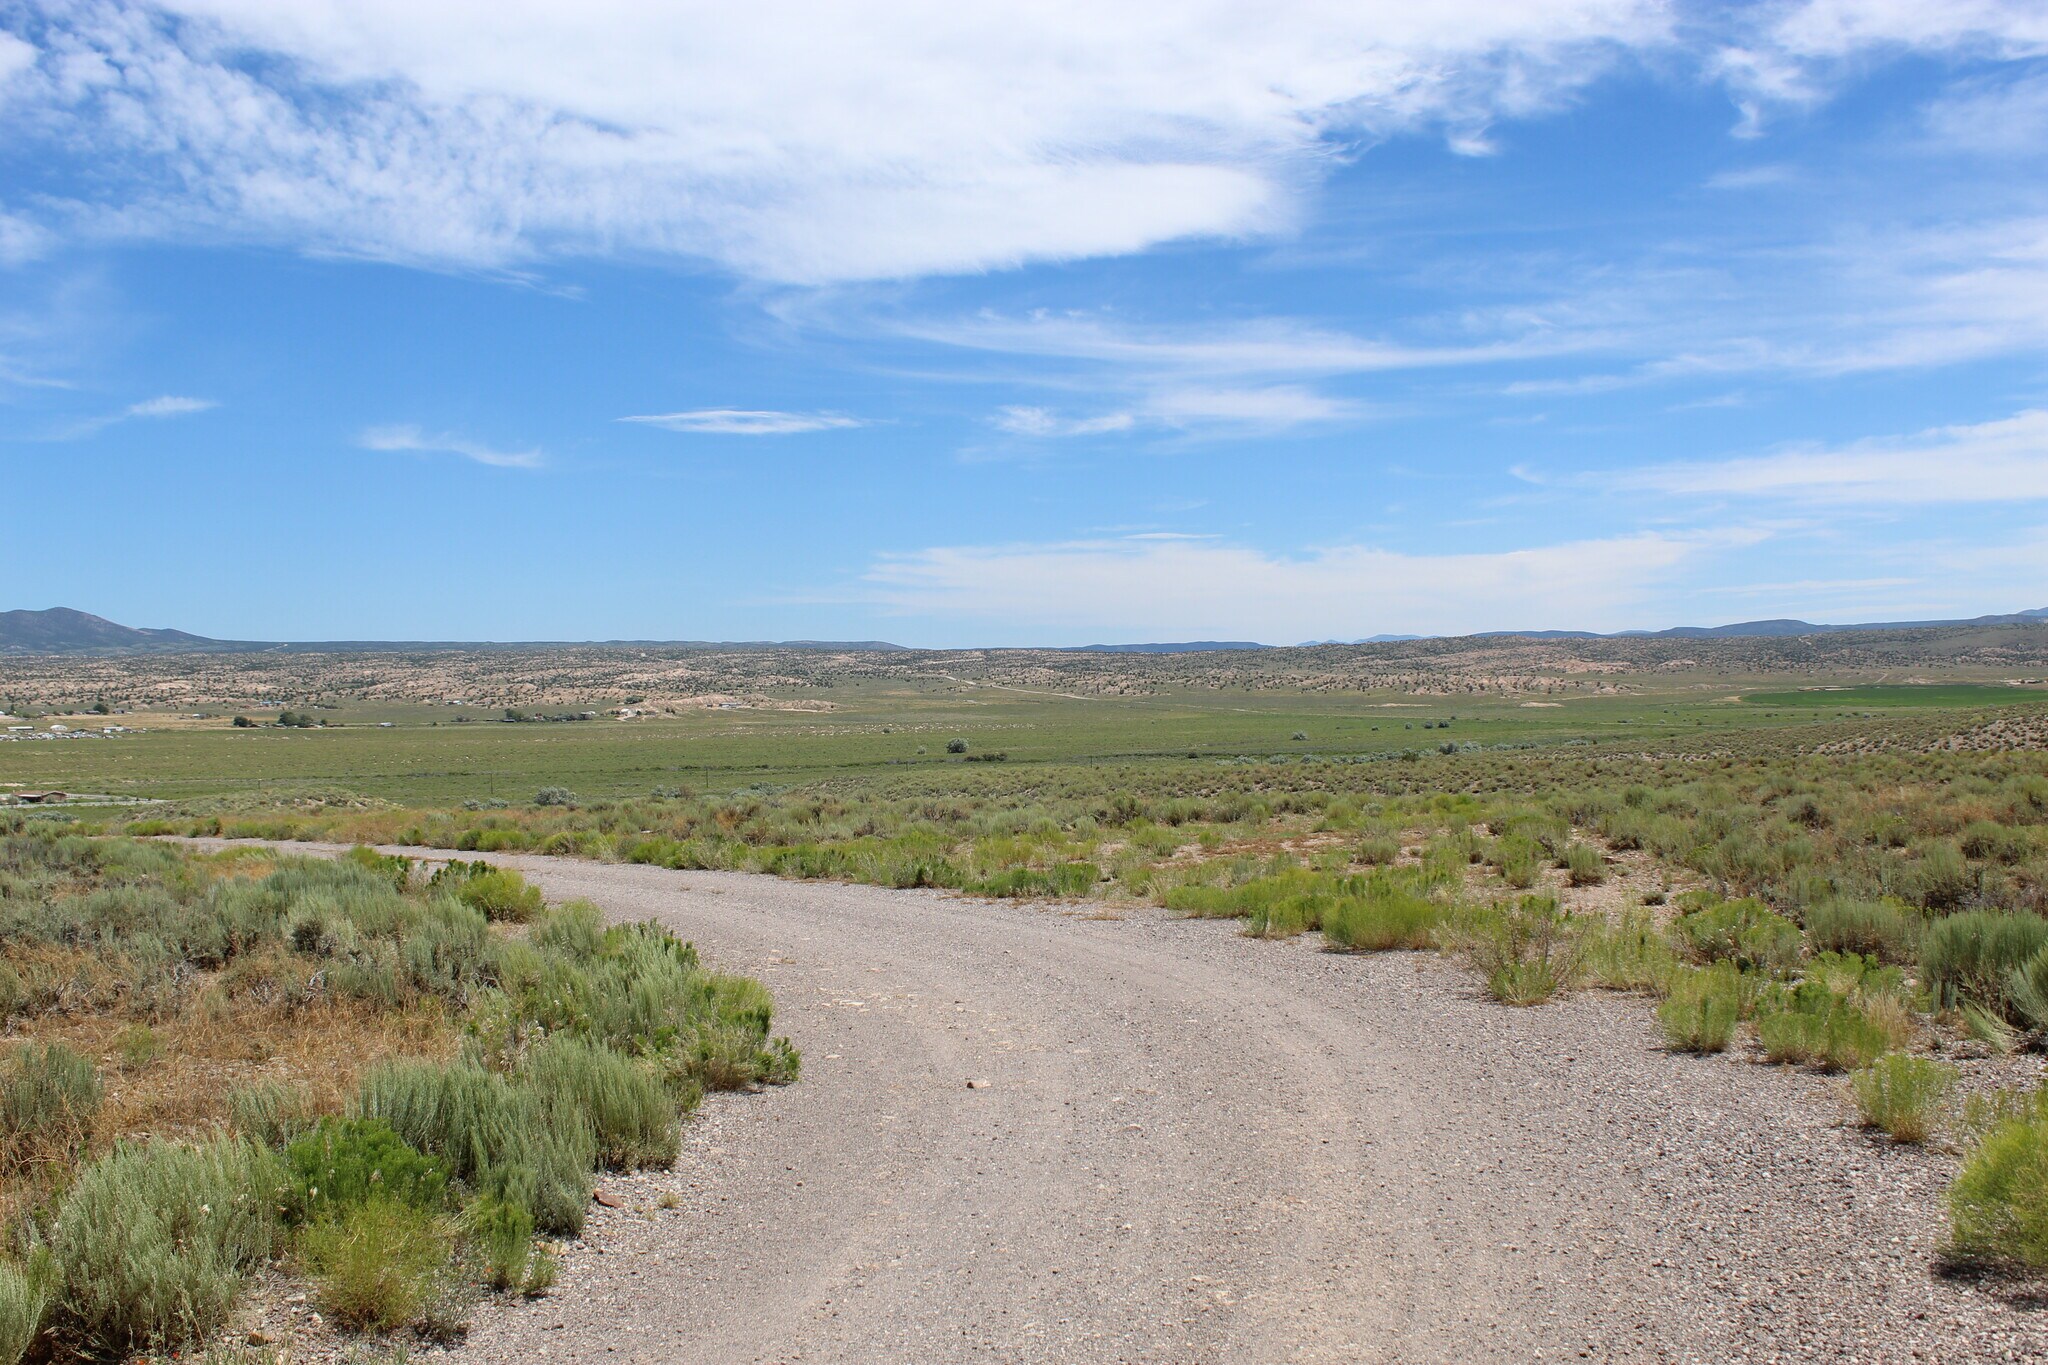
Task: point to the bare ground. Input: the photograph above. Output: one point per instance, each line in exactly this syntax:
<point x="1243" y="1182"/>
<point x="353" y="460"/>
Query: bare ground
<point x="1182" y="1145"/>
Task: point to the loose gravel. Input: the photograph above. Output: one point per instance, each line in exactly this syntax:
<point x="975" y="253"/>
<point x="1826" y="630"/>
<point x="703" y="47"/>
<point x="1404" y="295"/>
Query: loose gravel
<point x="1037" y="1134"/>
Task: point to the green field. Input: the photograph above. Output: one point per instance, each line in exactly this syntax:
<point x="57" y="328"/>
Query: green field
<point x="877" y="734"/>
<point x="1887" y="696"/>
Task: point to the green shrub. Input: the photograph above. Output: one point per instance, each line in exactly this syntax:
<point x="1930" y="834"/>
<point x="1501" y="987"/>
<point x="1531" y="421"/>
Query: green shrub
<point x="394" y="868"/>
<point x="1517" y="858"/>
<point x="1527" y="954"/>
<point x="1380" y="912"/>
<point x="378" y="1263"/>
<point x="1584" y="865"/>
<point x="345" y="1162"/>
<point x="1744" y="932"/>
<point x="25" y="1292"/>
<point x="1633" y="954"/>
<point x="1703" y="1008"/>
<point x="1885" y="930"/>
<point x="2026" y="989"/>
<point x="1998" y="1205"/>
<point x="502" y="1234"/>
<point x="1903" y="1095"/>
<point x="48" y="1102"/>
<point x="499" y="893"/>
<point x="497" y="1138"/>
<point x="630" y="1114"/>
<point x="153" y="1240"/>
<point x="269" y="1112"/>
<point x="1970" y="958"/>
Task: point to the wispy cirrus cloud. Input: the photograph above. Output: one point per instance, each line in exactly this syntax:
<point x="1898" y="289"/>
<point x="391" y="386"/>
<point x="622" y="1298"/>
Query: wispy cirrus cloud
<point x="1999" y="461"/>
<point x="149" y="409"/>
<point x="406" y="437"/>
<point x="1212" y="410"/>
<point x="747" y="422"/>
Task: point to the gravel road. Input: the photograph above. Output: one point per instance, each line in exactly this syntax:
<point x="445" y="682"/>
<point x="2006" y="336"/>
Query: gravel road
<point x="1030" y="1133"/>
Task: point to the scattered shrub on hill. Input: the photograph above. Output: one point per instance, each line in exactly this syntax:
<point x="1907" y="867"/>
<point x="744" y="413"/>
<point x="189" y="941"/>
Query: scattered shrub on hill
<point x="1583" y="865"/>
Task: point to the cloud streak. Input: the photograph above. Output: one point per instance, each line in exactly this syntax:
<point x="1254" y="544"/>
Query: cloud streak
<point x="746" y="422"/>
<point x="405" y="437"/>
<point x="1988" y="462"/>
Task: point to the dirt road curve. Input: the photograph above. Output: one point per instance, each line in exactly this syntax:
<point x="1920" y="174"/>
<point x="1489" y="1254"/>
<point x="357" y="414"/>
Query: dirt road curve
<point x="1195" y="1147"/>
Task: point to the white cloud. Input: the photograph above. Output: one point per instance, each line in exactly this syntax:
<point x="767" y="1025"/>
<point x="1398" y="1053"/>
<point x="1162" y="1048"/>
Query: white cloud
<point x="800" y="142"/>
<point x="410" y="438"/>
<point x="1168" y="589"/>
<point x="1840" y="28"/>
<point x="1265" y="346"/>
<point x="2001" y="461"/>
<point x="170" y="405"/>
<point x="1230" y="410"/>
<point x="1025" y="420"/>
<point x="746" y="422"/>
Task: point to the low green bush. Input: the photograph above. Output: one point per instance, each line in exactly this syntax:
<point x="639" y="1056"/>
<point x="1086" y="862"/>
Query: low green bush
<point x="345" y="1162"/>
<point x="1584" y="865"/>
<point x="1528" y="953"/>
<point x="269" y="1112"/>
<point x="1998" y="1205"/>
<point x="1380" y="911"/>
<point x="1631" y="954"/>
<point x="48" y="1101"/>
<point x="26" y="1288"/>
<point x="1744" y="932"/>
<point x="1703" y="1008"/>
<point x="378" y="1263"/>
<point x="500" y="894"/>
<point x="632" y="1117"/>
<point x="2026" y="989"/>
<point x="153" y="1240"/>
<point x="1903" y="1095"/>
<point x="1886" y="930"/>
<point x="1970" y="958"/>
<point x="495" y="1137"/>
<point x="502" y="1234"/>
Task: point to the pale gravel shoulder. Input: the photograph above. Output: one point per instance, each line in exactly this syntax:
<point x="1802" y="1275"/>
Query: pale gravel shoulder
<point x="1187" y="1145"/>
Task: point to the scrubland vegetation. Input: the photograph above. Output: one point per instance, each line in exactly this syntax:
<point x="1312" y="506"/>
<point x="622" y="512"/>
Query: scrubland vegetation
<point x="394" y="1086"/>
<point x="1793" y="865"/>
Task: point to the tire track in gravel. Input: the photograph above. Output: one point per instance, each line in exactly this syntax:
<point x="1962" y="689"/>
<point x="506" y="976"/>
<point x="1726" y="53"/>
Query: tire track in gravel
<point x="1197" y="1147"/>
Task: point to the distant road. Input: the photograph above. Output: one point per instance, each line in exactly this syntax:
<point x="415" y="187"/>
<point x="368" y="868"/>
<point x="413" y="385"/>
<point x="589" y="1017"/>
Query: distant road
<point x="1188" y="1146"/>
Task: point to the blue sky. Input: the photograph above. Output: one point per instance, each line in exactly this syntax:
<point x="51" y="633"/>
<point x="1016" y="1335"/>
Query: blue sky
<point x="1020" y="323"/>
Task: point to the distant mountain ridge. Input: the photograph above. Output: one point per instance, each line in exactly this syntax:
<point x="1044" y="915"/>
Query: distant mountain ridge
<point x="62" y="630"/>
